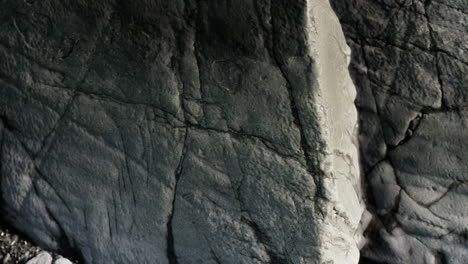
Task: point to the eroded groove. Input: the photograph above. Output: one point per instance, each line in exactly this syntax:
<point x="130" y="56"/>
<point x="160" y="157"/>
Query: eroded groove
<point x="171" y="252"/>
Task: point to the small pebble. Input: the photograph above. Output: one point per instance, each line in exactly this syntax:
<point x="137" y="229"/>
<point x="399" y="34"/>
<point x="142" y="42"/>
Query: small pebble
<point x="6" y="259"/>
<point x="26" y="255"/>
<point x="42" y="258"/>
<point x="14" y="239"/>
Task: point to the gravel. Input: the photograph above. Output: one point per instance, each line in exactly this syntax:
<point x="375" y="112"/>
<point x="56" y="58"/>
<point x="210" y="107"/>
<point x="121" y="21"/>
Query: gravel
<point x="14" y="249"/>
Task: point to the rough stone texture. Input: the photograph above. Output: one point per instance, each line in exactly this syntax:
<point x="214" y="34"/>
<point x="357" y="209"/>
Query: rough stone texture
<point x="179" y="131"/>
<point x="410" y="66"/>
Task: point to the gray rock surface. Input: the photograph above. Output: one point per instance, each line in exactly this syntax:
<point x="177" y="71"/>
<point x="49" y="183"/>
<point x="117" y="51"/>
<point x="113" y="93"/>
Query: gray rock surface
<point x="179" y="131"/>
<point x="410" y="66"/>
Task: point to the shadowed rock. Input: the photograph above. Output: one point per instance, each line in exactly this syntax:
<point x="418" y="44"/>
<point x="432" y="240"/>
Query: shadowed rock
<point x="179" y="131"/>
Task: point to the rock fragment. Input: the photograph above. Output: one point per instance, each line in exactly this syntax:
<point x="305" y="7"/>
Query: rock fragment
<point x="41" y="258"/>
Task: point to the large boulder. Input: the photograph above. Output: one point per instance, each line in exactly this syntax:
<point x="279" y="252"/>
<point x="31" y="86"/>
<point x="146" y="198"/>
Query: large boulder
<point x="179" y="131"/>
<point x="410" y="66"/>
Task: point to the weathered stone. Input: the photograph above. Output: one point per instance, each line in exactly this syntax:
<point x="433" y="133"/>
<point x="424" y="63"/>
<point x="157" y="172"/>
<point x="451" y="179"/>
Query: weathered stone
<point x="180" y="131"/>
<point x="410" y="68"/>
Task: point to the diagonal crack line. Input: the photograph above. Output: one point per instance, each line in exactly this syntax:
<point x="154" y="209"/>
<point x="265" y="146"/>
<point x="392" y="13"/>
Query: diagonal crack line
<point x="373" y="91"/>
<point x="294" y="109"/>
<point x="318" y="174"/>
<point x="171" y="254"/>
<point x="127" y="166"/>
<point x="215" y="256"/>
<point x="384" y="43"/>
<point x="198" y="55"/>
<point x="108" y="98"/>
<point x="453" y="57"/>
<point x="259" y="235"/>
<point x="50" y="136"/>
<point x="267" y="143"/>
<point x="421" y="218"/>
<point x="434" y="48"/>
<point x="57" y="193"/>
<point x="240" y="134"/>
<point x="109" y="228"/>
<point x="298" y="122"/>
<point x="444" y="109"/>
<point x="394" y="12"/>
<point x="454" y="185"/>
<point x="265" y="240"/>
<point x="66" y="240"/>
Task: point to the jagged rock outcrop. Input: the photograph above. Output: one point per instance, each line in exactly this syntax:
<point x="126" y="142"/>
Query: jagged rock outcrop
<point x="410" y="66"/>
<point x="179" y="131"/>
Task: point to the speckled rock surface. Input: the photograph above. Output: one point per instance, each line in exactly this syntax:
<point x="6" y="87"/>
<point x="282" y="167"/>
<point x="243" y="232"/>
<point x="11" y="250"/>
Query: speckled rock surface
<point x="410" y="66"/>
<point x="179" y="131"/>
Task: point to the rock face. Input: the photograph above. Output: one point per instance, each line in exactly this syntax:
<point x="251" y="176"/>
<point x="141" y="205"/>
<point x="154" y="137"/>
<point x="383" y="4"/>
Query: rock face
<point x="410" y="67"/>
<point x="180" y="131"/>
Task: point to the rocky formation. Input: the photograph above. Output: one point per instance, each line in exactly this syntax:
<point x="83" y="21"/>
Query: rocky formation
<point x="410" y="66"/>
<point x="179" y="131"/>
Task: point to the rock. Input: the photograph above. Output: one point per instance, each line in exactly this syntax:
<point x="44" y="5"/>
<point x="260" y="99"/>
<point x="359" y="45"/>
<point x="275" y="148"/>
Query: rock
<point x="410" y="68"/>
<point x="180" y="131"/>
<point x="41" y="258"/>
<point x="62" y="261"/>
<point x="385" y="188"/>
<point x="13" y="240"/>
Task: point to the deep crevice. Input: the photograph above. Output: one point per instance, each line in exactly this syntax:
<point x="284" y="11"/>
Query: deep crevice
<point x="277" y="57"/>
<point x="170" y="251"/>
<point x="6" y="123"/>
<point x="412" y="128"/>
